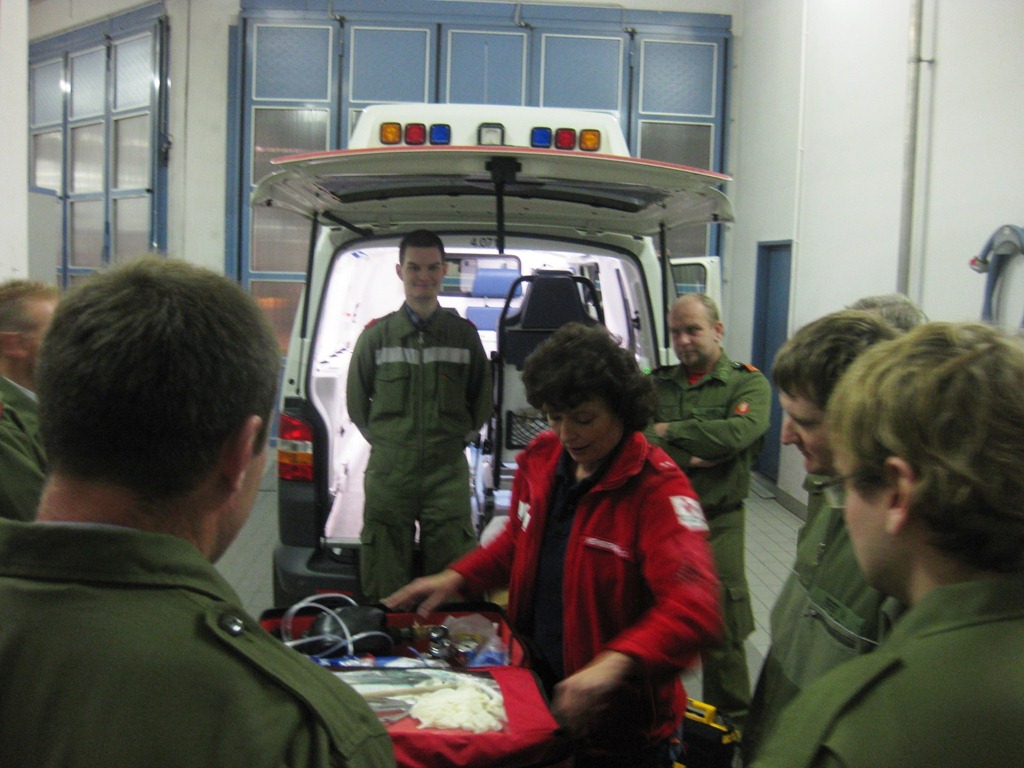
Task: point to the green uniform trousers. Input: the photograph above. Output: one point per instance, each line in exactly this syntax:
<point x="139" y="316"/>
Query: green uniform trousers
<point x="403" y="490"/>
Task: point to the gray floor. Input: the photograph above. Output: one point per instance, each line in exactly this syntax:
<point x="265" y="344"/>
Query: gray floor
<point x="771" y="544"/>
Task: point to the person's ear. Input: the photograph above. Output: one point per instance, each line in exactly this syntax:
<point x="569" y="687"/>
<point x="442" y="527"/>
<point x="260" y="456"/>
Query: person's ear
<point x="398" y="271"/>
<point x="10" y="344"/>
<point x="902" y="480"/>
<point x="238" y="452"/>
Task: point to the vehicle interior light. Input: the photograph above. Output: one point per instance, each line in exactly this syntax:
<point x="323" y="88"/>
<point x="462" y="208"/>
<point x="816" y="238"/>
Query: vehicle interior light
<point x="540" y="137"/>
<point x="390" y="133"/>
<point x="565" y="138"/>
<point x="590" y="139"/>
<point x="440" y="133"/>
<point x="491" y="135"/>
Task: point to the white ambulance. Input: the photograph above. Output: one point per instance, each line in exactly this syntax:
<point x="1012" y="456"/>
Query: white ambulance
<point x="525" y="199"/>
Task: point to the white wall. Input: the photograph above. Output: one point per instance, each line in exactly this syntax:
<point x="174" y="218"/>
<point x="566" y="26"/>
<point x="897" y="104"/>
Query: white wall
<point x="819" y="143"/>
<point x="14" y="180"/>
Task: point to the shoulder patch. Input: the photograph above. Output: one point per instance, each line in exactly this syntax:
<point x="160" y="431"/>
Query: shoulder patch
<point x="746" y="367"/>
<point x="371" y="323"/>
<point x="689" y="512"/>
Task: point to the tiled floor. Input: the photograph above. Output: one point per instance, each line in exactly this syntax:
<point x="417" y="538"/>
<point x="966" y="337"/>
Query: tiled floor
<point x="771" y="544"/>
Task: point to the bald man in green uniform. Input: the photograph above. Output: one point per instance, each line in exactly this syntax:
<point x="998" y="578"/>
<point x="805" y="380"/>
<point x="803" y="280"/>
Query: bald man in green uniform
<point x="711" y="419"/>
<point x="120" y="644"/>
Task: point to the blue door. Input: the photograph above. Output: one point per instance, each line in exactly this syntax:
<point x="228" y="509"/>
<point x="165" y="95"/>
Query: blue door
<point x="771" y="328"/>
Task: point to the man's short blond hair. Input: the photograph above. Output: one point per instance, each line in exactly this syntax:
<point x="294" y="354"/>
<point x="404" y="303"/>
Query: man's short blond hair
<point x="703" y="299"/>
<point x="14" y="298"/>
<point x="947" y="398"/>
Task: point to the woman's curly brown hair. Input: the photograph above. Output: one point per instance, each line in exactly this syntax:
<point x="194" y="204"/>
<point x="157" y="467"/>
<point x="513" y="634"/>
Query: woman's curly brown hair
<point x="578" y="362"/>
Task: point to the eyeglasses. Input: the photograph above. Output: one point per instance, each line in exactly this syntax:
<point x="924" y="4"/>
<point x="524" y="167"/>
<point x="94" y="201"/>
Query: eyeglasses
<point x="835" y="490"/>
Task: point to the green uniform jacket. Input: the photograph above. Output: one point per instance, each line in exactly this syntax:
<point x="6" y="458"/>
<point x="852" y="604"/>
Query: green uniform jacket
<point x="946" y="688"/>
<point x="723" y="418"/>
<point x="826" y="614"/>
<point x="125" y="648"/>
<point x="419" y="390"/>
<point x="22" y="459"/>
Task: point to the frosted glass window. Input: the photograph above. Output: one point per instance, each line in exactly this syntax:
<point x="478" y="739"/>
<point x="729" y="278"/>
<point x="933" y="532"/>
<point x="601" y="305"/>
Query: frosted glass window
<point x="133" y="73"/>
<point x="47" y="94"/>
<point x="280" y="240"/>
<point x="679" y="143"/>
<point x="88" y="84"/>
<point x="279" y="132"/>
<point x="279" y="300"/>
<point x="132" y="157"/>
<point x="131" y="229"/>
<point x="46" y="160"/>
<point x="87" y="158"/>
<point x="678" y="78"/>
<point x="293" y="63"/>
<point x="87" y="233"/>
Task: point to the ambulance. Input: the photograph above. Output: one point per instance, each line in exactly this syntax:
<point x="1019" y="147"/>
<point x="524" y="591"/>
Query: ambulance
<point x="531" y="203"/>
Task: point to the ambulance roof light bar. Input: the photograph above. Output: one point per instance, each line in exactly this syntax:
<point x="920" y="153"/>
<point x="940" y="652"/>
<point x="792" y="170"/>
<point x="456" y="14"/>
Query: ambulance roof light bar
<point x="489" y="135"/>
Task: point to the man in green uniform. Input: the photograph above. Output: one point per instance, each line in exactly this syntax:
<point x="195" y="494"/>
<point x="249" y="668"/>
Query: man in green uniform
<point x="120" y="644"/>
<point x="826" y="613"/>
<point x="711" y="418"/>
<point x="419" y="389"/>
<point x="928" y="432"/>
<point x="26" y="308"/>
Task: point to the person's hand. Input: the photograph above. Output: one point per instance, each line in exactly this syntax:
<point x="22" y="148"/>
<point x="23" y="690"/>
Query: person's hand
<point x="660" y="428"/>
<point x="697" y="461"/>
<point x="580" y="697"/>
<point x="426" y="592"/>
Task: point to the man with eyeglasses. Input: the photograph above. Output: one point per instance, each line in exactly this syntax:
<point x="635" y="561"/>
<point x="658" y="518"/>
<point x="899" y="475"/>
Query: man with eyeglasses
<point x="26" y="308"/>
<point x="928" y="435"/>
<point x="826" y="613"/>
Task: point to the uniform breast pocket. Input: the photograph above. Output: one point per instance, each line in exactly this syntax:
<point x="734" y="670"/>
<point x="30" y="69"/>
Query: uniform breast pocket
<point x="391" y="390"/>
<point x="451" y="388"/>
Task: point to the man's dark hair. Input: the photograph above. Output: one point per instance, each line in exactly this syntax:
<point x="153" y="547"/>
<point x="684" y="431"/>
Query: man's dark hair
<point x="810" y="363"/>
<point x="420" y="238"/>
<point x="578" y="362"/>
<point x="147" y="370"/>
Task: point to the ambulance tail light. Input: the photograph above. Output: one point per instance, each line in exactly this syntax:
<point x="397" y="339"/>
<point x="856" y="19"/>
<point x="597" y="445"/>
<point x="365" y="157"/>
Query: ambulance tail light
<point x="541" y="138"/>
<point x="415" y="134"/>
<point x="390" y="133"/>
<point x="490" y="135"/>
<point x="565" y="138"/>
<point x="294" y="449"/>
<point x="590" y="140"/>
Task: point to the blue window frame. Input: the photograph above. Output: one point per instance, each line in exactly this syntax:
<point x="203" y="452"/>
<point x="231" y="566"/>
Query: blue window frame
<point x="98" y="138"/>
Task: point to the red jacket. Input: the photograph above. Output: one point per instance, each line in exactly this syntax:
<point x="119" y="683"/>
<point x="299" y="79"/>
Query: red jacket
<point x="638" y="576"/>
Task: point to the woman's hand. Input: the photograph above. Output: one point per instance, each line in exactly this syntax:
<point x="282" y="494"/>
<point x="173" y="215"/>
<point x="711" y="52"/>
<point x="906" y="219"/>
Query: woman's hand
<point x="582" y="696"/>
<point x="426" y="593"/>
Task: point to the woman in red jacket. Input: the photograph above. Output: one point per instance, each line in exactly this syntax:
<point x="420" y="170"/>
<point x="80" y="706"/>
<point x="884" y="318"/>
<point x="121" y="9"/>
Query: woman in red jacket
<point x="605" y="556"/>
